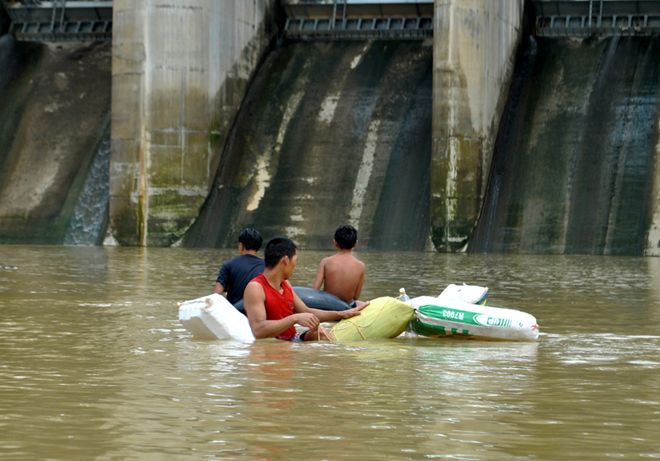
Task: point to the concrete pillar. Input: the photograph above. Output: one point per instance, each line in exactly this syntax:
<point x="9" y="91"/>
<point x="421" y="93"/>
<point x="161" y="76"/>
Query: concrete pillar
<point x="653" y="240"/>
<point x="180" y="69"/>
<point x="474" y="52"/>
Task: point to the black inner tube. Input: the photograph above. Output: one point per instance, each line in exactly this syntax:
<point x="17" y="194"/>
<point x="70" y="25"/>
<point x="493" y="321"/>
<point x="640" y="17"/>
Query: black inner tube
<point x="312" y="298"/>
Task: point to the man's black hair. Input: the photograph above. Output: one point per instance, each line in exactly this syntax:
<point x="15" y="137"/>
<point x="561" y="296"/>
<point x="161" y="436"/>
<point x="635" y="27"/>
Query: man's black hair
<point x="346" y="236"/>
<point x="250" y="238"/>
<point x="276" y="249"/>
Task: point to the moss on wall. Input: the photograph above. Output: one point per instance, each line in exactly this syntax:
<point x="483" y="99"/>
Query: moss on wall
<point x="474" y="49"/>
<point x="174" y="101"/>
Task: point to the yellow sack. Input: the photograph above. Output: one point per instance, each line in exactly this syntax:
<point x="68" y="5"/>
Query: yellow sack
<point x="383" y="318"/>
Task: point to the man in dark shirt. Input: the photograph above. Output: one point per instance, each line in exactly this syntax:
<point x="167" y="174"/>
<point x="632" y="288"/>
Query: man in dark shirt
<point x="236" y="273"/>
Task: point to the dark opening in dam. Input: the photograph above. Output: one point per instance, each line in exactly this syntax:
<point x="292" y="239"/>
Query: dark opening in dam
<point x="329" y="133"/>
<point x="573" y="164"/>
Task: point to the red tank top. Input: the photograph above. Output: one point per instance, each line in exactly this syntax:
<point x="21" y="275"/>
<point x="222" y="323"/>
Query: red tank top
<point x="278" y="305"/>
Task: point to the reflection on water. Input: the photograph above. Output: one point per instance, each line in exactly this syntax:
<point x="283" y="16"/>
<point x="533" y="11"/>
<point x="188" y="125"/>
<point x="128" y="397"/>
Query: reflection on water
<point x="95" y="365"/>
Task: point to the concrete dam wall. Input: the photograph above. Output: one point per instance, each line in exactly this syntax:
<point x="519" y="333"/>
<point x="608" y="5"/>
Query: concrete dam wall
<point x="330" y="133"/>
<point x="196" y="124"/>
<point x="475" y="44"/>
<point x="575" y="159"/>
<point x="180" y="70"/>
<point x="54" y="114"/>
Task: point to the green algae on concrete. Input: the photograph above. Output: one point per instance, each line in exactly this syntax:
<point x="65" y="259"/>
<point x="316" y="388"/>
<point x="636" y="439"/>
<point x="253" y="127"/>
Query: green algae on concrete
<point x="474" y="52"/>
<point x="174" y="99"/>
<point x="457" y="186"/>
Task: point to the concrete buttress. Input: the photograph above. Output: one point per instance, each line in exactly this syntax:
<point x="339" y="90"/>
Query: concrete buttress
<point x="475" y="43"/>
<point x="180" y="69"/>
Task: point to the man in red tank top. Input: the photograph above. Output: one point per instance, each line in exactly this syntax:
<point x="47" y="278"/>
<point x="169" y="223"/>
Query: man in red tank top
<point x="273" y="308"/>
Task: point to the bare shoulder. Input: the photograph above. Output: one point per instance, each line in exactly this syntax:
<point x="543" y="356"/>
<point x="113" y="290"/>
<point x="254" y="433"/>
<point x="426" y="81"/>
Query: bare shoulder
<point x="329" y="259"/>
<point x="357" y="262"/>
<point x="253" y="290"/>
<point x="254" y="298"/>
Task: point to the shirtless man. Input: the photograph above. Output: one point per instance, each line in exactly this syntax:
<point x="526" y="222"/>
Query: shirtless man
<point x="273" y="308"/>
<point x="342" y="274"/>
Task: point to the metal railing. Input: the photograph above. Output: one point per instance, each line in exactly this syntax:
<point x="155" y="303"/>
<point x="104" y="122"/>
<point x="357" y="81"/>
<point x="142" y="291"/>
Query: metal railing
<point x="580" y="18"/>
<point x="60" y="20"/>
<point x="351" y="19"/>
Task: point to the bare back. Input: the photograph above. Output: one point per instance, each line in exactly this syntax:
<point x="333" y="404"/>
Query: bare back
<point x="342" y="275"/>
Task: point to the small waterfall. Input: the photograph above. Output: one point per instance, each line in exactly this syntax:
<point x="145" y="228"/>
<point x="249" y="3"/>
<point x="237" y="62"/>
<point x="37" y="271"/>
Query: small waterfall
<point x="90" y="216"/>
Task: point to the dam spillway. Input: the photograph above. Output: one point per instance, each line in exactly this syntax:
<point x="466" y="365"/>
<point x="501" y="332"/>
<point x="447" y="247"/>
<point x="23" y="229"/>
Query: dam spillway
<point x="330" y="133"/>
<point x="574" y="159"/>
<point x="55" y="109"/>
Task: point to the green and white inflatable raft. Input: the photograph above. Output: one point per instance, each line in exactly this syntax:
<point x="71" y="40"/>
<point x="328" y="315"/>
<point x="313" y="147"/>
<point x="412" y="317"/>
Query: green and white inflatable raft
<point x="461" y="310"/>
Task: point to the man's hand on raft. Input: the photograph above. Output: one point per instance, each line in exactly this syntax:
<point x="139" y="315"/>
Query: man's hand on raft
<point x="307" y="320"/>
<point x="354" y="311"/>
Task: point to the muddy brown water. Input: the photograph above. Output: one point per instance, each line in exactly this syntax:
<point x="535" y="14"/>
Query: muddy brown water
<point x="95" y="365"/>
